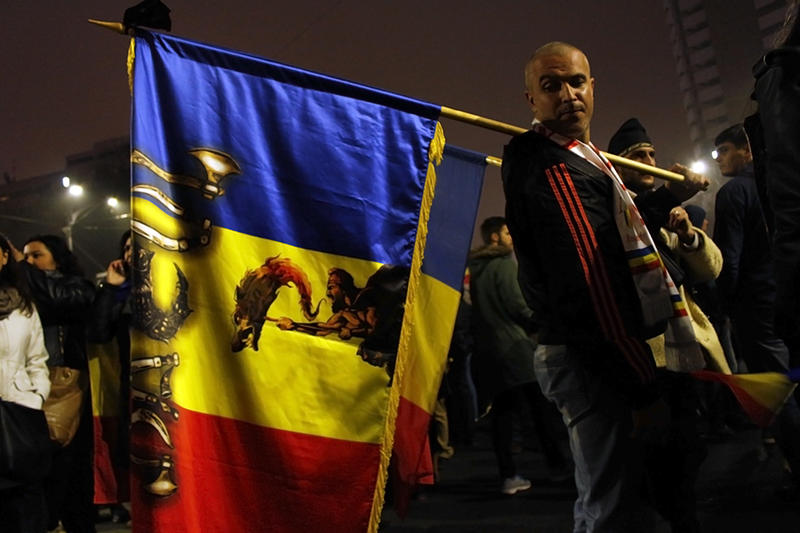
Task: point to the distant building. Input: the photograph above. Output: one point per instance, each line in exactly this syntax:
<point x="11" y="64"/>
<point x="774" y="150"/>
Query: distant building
<point x="709" y="40"/>
<point x="41" y="204"/>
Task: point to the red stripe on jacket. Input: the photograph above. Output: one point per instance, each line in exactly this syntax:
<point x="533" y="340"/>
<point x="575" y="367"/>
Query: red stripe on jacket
<point x="597" y="279"/>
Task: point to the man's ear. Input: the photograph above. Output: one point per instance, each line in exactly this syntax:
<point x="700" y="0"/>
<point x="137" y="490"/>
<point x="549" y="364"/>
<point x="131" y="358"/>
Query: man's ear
<point x="529" y="99"/>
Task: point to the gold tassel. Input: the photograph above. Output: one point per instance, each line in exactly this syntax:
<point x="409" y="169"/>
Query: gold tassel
<point x="131" y="58"/>
<point x="435" y="151"/>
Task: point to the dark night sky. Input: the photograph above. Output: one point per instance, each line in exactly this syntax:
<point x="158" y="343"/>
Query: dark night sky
<point x="64" y="84"/>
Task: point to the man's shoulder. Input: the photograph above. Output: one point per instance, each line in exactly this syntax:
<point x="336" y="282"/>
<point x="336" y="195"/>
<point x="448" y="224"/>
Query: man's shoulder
<point x="736" y="186"/>
<point x="528" y="142"/>
<point x="525" y="159"/>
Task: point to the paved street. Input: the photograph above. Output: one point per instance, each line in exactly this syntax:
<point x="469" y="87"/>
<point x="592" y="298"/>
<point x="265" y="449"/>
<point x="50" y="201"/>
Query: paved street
<point x="738" y="491"/>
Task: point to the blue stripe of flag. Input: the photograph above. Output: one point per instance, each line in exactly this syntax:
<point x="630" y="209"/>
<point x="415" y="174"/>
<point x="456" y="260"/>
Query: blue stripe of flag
<point x="326" y="164"/>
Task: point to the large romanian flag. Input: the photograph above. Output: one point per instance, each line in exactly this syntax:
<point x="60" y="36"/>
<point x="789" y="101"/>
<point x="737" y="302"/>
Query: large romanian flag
<point x="284" y="308"/>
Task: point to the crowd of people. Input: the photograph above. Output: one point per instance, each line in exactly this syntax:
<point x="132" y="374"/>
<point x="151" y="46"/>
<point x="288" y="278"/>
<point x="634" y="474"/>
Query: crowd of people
<point x="617" y="293"/>
<point x="50" y="311"/>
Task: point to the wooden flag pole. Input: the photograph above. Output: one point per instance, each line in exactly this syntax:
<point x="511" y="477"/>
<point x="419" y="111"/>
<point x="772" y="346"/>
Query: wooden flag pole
<point x="116" y="27"/>
<point x="483" y="122"/>
<point x="502" y="127"/>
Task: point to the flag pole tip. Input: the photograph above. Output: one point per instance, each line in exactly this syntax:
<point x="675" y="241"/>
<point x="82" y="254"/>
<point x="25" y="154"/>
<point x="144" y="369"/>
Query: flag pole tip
<point x="116" y="27"/>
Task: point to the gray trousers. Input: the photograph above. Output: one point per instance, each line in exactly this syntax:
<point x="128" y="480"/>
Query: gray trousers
<point x="608" y="463"/>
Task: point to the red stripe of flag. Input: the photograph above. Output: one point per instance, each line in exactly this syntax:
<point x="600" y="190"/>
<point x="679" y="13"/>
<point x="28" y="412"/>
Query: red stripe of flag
<point x="111" y="481"/>
<point x="412" y="455"/>
<point x="236" y="476"/>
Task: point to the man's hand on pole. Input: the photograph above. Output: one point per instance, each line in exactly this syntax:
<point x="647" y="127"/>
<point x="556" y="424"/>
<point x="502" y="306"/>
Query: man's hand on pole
<point x="691" y="185"/>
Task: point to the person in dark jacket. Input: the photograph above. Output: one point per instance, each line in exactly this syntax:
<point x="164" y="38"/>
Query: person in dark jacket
<point x="110" y="323"/>
<point x="777" y="91"/>
<point x="672" y="464"/>
<point x="747" y="283"/>
<point x="64" y="299"/>
<point x="502" y="324"/>
<point x="575" y="229"/>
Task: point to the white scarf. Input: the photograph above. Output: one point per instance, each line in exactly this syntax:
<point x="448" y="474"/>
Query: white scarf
<point x="658" y="295"/>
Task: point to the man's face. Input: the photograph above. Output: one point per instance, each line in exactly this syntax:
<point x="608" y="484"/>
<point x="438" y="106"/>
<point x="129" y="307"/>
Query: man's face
<point x="336" y="294"/>
<point x="504" y="237"/>
<point x="560" y="91"/>
<point x="634" y="180"/>
<point x="732" y="159"/>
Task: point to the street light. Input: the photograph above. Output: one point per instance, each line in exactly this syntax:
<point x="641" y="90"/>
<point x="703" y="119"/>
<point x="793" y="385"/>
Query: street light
<point x="699" y="166"/>
<point x="111" y="202"/>
<point x="75" y="190"/>
<point x="65" y="181"/>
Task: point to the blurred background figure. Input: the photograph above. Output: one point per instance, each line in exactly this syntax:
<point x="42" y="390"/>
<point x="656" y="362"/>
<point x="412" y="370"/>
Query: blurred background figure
<point x="63" y="298"/>
<point x="774" y="136"/>
<point x="502" y="324"/>
<point x="747" y="281"/>
<point x="24" y="381"/>
<point x="109" y="355"/>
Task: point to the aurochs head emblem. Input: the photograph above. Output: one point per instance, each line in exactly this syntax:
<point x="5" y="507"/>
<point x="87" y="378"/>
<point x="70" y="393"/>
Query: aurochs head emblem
<point x="257" y="291"/>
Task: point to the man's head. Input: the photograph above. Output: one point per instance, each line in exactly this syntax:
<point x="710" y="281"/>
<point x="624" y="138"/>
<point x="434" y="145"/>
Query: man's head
<point x="733" y="150"/>
<point x="632" y="142"/>
<point x="341" y="289"/>
<point x="560" y="89"/>
<point x="495" y="232"/>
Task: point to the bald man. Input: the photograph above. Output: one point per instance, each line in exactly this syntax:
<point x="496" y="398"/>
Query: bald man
<point x="575" y="228"/>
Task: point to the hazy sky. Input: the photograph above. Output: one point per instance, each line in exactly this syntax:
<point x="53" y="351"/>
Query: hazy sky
<point x="64" y="85"/>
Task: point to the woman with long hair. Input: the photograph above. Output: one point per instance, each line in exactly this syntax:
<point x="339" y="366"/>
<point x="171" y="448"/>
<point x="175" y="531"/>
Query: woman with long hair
<point x="64" y="300"/>
<point x="24" y="381"/>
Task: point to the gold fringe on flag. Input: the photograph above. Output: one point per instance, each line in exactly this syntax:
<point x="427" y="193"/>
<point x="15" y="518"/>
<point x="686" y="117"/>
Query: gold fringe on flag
<point x="130" y="61"/>
<point x="435" y="152"/>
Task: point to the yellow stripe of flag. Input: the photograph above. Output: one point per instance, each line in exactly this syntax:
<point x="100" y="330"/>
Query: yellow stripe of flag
<point x="295" y="381"/>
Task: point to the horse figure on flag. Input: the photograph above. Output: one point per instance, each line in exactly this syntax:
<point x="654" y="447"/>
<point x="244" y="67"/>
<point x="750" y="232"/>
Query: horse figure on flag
<point x="256" y="292"/>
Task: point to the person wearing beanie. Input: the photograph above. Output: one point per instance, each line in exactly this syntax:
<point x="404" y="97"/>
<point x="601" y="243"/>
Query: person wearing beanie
<point x="688" y="253"/>
<point x="691" y="257"/>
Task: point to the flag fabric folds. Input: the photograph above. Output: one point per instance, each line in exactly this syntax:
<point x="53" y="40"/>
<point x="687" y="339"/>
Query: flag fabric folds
<point x="282" y="307"/>
<point x="110" y="450"/>
<point x="459" y="180"/>
<point x="761" y="395"/>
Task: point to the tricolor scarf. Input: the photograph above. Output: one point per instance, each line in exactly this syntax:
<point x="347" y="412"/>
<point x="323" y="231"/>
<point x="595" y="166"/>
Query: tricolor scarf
<point x="658" y="295"/>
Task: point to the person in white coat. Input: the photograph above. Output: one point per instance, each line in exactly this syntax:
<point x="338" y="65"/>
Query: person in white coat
<point x="24" y="380"/>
